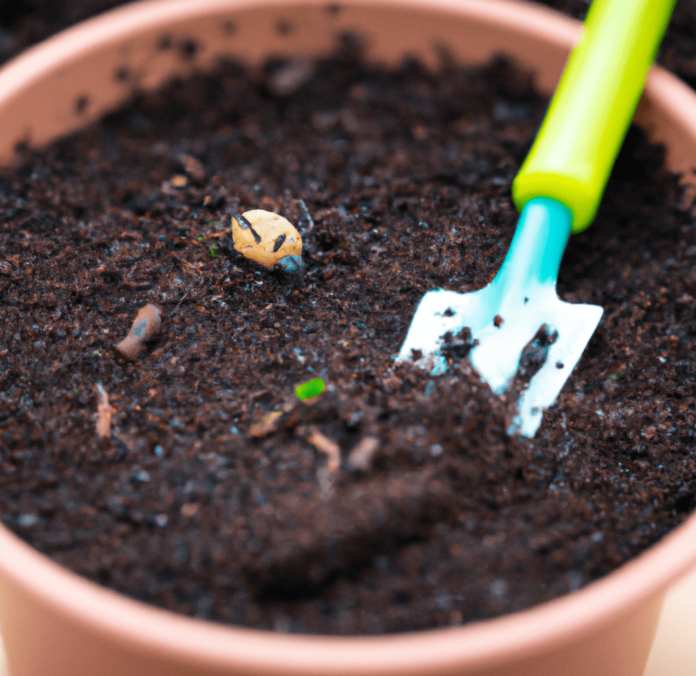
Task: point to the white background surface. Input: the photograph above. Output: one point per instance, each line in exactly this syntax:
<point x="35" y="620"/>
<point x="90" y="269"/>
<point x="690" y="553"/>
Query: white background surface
<point x="674" y="650"/>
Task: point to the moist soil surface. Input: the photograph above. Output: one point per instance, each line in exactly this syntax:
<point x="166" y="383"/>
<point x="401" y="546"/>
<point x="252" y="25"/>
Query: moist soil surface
<point x="395" y="500"/>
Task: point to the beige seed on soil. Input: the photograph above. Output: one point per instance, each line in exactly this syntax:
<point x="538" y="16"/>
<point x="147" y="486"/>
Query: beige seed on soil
<point x="145" y="326"/>
<point x="267" y="239"/>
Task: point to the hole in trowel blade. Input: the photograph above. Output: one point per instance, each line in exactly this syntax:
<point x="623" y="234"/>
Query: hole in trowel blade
<point x="559" y="364"/>
<point x="498" y="321"/>
<point x="449" y="312"/>
<point x="416" y="354"/>
<point x="457" y="347"/>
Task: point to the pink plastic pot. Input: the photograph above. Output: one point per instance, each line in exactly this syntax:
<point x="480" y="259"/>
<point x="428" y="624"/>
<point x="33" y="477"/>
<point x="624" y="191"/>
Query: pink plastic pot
<point x="55" y="623"/>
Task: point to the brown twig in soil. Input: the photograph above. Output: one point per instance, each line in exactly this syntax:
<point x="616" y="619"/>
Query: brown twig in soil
<point x="104" y="412"/>
<point x="145" y="326"/>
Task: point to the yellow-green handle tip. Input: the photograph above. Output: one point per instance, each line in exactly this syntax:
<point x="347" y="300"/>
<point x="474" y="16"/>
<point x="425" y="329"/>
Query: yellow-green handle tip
<point x="590" y="113"/>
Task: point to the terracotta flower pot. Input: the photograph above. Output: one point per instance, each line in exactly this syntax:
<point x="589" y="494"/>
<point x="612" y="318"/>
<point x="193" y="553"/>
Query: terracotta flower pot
<point x="56" y="623"/>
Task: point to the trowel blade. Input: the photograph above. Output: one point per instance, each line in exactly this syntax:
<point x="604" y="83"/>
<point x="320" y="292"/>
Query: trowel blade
<point x="502" y="324"/>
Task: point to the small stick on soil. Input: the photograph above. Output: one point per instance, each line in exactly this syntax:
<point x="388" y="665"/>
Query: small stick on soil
<point x="146" y="325"/>
<point x="104" y="412"/>
<point x="325" y="445"/>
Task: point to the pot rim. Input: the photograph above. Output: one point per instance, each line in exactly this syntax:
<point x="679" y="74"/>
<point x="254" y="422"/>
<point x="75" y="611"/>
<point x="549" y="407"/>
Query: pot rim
<point x="189" y="640"/>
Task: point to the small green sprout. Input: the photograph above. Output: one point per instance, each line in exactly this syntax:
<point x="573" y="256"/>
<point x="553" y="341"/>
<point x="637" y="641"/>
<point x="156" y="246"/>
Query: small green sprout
<point x="616" y="376"/>
<point x="213" y="250"/>
<point x="76" y="390"/>
<point x="310" y="389"/>
<point x="200" y="238"/>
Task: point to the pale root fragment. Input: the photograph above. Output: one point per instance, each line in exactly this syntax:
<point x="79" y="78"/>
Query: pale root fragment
<point x="360" y="457"/>
<point x="267" y="239"/>
<point x="330" y="448"/>
<point x="104" y="412"/>
<point x="145" y="326"/>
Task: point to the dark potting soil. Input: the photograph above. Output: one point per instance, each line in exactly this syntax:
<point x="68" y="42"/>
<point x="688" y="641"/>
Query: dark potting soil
<point x="435" y="516"/>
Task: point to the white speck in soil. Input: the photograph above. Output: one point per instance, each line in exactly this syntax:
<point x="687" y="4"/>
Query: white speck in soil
<point x="27" y="520"/>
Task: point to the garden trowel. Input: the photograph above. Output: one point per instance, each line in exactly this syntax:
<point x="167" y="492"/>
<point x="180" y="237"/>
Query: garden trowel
<point x="516" y="330"/>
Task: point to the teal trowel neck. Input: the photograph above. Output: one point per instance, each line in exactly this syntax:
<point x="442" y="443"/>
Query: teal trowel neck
<point x="540" y="239"/>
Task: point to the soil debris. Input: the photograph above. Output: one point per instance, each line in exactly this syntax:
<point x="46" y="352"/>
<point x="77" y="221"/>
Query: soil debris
<point x="104" y="412"/>
<point x="360" y="458"/>
<point x="193" y="167"/>
<point x="330" y="448"/>
<point x="146" y="326"/>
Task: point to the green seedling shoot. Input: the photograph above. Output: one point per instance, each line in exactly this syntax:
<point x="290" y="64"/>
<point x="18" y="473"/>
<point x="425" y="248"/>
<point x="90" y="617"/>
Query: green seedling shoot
<point x="310" y="389"/>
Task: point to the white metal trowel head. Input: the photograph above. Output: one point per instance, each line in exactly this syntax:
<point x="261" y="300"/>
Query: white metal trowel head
<point x="515" y="326"/>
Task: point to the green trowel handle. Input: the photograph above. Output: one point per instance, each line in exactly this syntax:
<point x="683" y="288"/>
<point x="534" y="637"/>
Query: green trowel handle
<point x="592" y="108"/>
